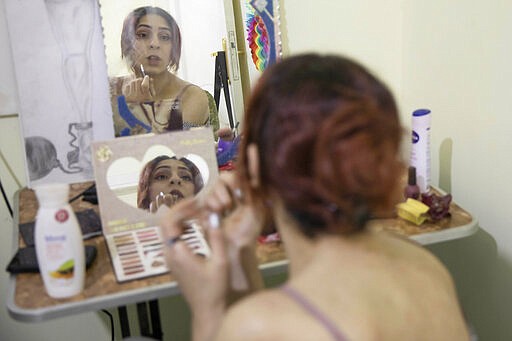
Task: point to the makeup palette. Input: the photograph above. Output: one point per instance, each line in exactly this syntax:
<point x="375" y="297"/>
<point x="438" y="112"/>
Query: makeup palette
<point x="139" y="253"/>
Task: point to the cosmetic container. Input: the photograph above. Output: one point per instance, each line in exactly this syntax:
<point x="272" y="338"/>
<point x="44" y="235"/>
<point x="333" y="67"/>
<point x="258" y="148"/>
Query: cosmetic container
<point x="420" y="151"/>
<point x="58" y="242"/>
<point x="412" y="190"/>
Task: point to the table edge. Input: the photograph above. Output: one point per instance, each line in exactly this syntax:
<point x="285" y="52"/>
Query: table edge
<point x="447" y="234"/>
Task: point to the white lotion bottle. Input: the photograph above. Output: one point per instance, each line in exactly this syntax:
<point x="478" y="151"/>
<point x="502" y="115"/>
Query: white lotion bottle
<point x="420" y="151"/>
<point x="58" y="242"/>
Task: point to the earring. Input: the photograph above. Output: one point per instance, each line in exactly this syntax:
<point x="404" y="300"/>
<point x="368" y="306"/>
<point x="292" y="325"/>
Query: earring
<point x="171" y="67"/>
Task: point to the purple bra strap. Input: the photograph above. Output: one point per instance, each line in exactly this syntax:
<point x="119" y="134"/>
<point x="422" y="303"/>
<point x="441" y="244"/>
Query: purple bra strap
<point x="310" y="308"/>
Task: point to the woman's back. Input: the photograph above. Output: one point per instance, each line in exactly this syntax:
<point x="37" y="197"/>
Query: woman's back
<point x="378" y="287"/>
<point x="320" y="155"/>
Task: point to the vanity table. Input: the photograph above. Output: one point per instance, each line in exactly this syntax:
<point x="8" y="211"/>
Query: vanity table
<point x="27" y="300"/>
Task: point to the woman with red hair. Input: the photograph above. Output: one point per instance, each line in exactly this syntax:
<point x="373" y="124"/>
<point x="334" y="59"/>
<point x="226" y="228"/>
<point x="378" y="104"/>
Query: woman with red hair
<point x="319" y="156"/>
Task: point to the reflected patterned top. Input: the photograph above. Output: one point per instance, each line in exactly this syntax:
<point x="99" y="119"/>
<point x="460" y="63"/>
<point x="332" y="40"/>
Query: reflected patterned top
<point x="139" y="118"/>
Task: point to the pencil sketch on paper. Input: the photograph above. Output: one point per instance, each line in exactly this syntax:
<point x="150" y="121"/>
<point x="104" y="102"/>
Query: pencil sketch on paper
<point x="71" y="22"/>
<point x="62" y="86"/>
<point x="42" y="158"/>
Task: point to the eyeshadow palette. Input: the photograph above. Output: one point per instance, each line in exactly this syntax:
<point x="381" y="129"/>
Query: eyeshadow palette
<point x="131" y="227"/>
<point x="139" y="253"/>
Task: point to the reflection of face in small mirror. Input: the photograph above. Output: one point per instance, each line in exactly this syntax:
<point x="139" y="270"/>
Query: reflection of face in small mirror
<point x="150" y="96"/>
<point x="166" y="180"/>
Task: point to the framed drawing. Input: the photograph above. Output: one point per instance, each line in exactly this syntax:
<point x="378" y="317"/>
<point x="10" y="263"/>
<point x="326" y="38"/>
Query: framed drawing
<point x="60" y="68"/>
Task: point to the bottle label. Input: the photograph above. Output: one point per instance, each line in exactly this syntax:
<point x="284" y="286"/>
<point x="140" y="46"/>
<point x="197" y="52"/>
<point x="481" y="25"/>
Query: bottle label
<point x="59" y="257"/>
<point x="61" y="215"/>
<point x="420" y="151"/>
<point x="415" y="137"/>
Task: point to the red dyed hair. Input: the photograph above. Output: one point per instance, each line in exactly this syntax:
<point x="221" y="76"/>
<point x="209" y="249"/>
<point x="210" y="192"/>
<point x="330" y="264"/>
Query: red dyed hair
<point x="328" y="136"/>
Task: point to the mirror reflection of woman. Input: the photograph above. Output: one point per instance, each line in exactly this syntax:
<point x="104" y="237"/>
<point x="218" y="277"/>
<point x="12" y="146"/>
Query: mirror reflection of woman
<point x="153" y="98"/>
<point x="166" y="180"/>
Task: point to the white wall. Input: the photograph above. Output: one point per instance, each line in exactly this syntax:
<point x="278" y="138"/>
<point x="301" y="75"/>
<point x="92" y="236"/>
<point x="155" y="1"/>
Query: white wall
<point x="458" y="63"/>
<point x="454" y="58"/>
<point x="367" y="30"/>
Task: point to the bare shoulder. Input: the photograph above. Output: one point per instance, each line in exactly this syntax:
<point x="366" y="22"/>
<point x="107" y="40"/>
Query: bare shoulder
<point x="195" y="105"/>
<point x="407" y="249"/>
<point x="256" y="317"/>
<point x="425" y="285"/>
<point x="196" y="94"/>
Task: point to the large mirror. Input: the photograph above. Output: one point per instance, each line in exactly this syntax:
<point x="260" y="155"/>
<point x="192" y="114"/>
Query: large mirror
<point x="247" y="31"/>
<point x="202" y="27"/>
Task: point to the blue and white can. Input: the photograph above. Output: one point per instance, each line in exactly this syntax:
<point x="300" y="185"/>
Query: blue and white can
<point x="420" y="151"/>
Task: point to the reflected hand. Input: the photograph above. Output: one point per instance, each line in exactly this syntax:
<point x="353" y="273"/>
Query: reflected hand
<point x="162" y="199"/>
<point x="139" y="90"/>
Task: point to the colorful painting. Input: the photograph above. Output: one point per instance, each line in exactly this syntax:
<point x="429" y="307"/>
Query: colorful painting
<point x="263" y="34"/>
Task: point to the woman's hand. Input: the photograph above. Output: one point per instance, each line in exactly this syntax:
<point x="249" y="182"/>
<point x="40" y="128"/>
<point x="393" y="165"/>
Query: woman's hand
<point x="162" y="199"/>
<point x="208" y="284"/>
<point x="242" y="226"/>
<point x="139" y="90"/>
<point x="240" y="223"/>
<point x="203" y="282"/>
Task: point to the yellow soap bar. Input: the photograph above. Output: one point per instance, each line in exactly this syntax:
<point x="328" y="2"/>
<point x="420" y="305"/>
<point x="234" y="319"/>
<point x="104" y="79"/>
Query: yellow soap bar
<point x="413" y="210"/>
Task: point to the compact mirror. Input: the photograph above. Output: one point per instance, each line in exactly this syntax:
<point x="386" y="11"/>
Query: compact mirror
<point x="138" y="175"/>
<point x="137" y="179"/>
<point x="169" y="177"/>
